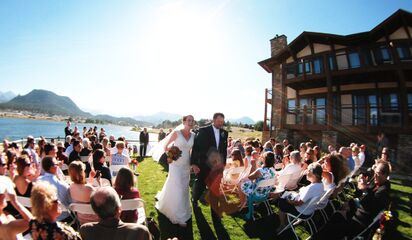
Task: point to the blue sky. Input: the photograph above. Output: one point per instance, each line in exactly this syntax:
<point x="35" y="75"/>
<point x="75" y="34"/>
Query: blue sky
<point x="130" y="58"/>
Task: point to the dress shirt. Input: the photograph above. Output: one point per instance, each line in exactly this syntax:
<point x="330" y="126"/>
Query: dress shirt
<point x="217" y="135"/>
<point x="63" y="193"/>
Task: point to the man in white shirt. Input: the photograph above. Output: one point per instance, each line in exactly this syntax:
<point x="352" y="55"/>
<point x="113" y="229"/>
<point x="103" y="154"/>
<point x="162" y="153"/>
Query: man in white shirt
<point x="294" y="168"/>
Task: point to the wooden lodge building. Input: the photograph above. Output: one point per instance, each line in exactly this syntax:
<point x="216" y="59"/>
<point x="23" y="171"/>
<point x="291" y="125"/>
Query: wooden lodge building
<point x="338" y="89"/>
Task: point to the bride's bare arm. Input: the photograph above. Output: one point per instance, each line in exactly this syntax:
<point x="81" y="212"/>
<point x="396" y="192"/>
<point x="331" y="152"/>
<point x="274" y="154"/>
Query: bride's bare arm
<point x="171" y="139"/>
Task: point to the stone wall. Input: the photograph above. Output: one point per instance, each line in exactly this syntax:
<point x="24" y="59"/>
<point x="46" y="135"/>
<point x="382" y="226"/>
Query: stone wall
<point x="404" y="153"/>
<point x="277" y="44"/>
<point x="329" y="138"/>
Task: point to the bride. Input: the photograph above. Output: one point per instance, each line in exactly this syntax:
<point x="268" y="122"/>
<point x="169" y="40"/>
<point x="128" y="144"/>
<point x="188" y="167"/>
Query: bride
<point x="173" y="199"/>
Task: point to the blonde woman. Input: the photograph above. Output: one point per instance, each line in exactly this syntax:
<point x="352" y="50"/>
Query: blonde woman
<point x="45" y="209"/>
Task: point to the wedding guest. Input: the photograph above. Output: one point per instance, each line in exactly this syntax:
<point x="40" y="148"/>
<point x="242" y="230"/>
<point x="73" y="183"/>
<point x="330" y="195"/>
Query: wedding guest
<point x="45" y="208"/>
<point x="106" y="146"/>
<point x="5" y="145"/>
<point x="84" y="132"/>
<point x="69" y="148"/>
<point x="237" y="160"/>
<point x="67" y="130"/>
<point x="278" y="152"/>
<point x="102" y="134"/>
<point x="161" y="135"/>
<point x="248" y="186"/>
<point x="272" y="141"/>
<point x="106" y="203"/>
<point x="124" y="186"/>
<point x="375" y="196"/>
<point x="50" y="166"/>
<point x="119" y="158"/>
<point x="347" y="154"/>
<point x="303" y="149"/>
<point x="42" y="142"/>
<point x="144" y="141"/>
<point x="112" y="141"/>
<point x="10" y="228"/>
<point x="381" y="143"/>
<point x="29" y="148"/>
<point x="300" y="204"/>
<point x="11" y="163"/>
<point x="317" y="152"/>
<point x="87" y="149"/>
<point x="248" y="156"/>
<point x="80" y="190"/>
<point x="98" y="165"/>
<point x="267" y="147"/>
<point x="169" y="131"/>
<point x="60" y="153"/>
<point x="285" y="142"/>
<point x="309" y="158"/>
<point x="75" y="154"/>
<point x="67" y="141"/>
<point x="294" y="166"/>
<point x="331" y="149"/>
<point x="26" y="174"/>
<point x="335" y="169"/>
<point x="355" y="157"/>
<point x="256" y="161"/>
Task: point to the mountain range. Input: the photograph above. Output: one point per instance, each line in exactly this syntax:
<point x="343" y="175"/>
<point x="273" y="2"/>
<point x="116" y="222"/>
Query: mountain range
<point x="47" y="102"/>
<point x="6" y="96"/>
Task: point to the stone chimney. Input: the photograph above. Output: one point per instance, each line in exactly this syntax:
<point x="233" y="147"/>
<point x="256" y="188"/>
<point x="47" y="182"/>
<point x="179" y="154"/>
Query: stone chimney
<point x="277" y="44"/>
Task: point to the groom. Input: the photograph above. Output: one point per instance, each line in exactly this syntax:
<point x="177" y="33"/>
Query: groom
<point x="209" y="139"/>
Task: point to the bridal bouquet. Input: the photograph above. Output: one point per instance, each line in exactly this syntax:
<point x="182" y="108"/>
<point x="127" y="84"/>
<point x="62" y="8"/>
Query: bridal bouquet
<point x="173" y="154"/>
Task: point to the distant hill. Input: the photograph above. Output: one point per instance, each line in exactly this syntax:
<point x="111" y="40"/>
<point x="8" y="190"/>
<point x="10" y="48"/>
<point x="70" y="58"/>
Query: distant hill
<point x="6" y="96"/>
<point x="243" y="120"/>
<point x="47" y="102"/>
<point x="42" y="101"/>
<point x="158" y="117"/>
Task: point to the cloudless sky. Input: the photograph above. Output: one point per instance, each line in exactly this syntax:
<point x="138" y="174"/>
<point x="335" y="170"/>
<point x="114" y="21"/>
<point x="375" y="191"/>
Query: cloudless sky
<point x="129" y="58"/>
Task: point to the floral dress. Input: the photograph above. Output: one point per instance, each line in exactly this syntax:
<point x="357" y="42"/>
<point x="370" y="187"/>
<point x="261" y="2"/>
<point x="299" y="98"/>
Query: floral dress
<point x="250" y="187"/>
<point x="52" y="231"/>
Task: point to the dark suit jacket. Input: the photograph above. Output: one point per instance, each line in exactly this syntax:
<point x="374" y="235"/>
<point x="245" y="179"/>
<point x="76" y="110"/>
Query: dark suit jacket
<point x="114" y="229"/>
<point x="205" y="143"/>
<point x="144" y="137"/>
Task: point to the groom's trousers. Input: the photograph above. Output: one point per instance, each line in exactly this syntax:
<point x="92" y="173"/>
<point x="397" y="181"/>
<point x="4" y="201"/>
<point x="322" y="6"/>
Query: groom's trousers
<point x="199" y="187"/>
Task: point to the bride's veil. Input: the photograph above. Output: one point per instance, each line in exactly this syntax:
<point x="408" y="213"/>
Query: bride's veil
<point x="159" y="149"/>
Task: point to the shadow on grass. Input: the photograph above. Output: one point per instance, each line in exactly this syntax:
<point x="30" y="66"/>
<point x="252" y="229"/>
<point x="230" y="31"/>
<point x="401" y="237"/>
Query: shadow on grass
<point x="204" y="229"/>
<point x="170" y="230"/>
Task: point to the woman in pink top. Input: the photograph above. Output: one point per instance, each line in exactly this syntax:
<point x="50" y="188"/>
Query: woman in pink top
<point x="80" y="190"/>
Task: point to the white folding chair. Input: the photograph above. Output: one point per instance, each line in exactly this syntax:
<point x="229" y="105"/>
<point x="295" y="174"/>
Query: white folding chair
<point x="115" y="168"/>
<point x="293" y="219"/>
<point x="103" y="182"/>
<point x="64" y="167"/>
<point x="252" y="199"/>
<point x="135" y="204"/>
<point x="85" y="159"/>
<point x="82" y="208"/>
<point x="25" y="201"/>
<point x="230" y="180"/>
<point x="281" y="182"/>
<point x="374" y="222"/>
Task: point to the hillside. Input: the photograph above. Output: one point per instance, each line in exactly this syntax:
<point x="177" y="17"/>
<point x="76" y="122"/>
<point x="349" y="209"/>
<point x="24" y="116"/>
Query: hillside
<point x="42" y="101"/>
<point x="6" y="96"/>
<point x="47" y="102"/>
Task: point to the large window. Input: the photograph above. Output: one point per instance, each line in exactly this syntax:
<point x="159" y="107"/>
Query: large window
<point x="320" y="110"/>
<point x="308" y="67"/>
<point x="382" y="55"/>
<point x="290" y="70"/>
<point x="359" y="110"/>
<point x="291" y="105"/>
<point x="390" y="102"/>
<point x="404" y="53"/>
<point x="341" y="60"/>
<point x="317" y="65"/>
<point x="331" y="60"/>
<point x="354" y="61"/>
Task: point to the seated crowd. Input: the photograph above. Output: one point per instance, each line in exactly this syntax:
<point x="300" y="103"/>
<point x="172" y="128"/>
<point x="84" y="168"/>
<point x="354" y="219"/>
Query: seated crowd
<point x="52" y="176"/>
<point x="55" y="176"/>
<point x="304" y="175"/>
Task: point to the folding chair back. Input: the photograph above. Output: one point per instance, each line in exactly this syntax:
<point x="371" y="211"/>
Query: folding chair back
<point x="135" y="204"/>
<point x="293" y="181"/>
<point x="83" y="208"/>
<point x="374" y="222"/>
<point x="115" y="168"/>
<point x="282" y="181"/>
<point x="85" y="159"/>
<point x="232" y="175"/>
<point x="103" y="182"/>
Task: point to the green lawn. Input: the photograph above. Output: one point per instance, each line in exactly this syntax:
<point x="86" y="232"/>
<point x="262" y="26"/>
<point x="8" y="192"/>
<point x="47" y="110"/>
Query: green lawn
<point x="152" y="177"/>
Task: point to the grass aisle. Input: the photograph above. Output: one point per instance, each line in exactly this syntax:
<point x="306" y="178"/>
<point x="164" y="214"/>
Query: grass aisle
<point x="151" y="180"/>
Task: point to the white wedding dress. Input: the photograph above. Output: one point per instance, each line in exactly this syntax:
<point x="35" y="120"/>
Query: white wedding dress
<point x="173" y="200"/>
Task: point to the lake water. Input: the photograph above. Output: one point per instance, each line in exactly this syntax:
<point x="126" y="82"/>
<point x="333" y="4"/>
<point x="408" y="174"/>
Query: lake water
<point x="14" y="129"/>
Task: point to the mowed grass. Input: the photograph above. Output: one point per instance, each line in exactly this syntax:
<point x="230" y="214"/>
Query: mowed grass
<point x="152" y="177"/>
